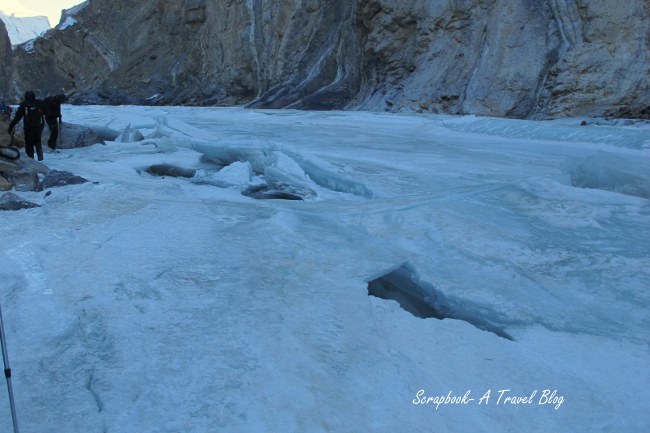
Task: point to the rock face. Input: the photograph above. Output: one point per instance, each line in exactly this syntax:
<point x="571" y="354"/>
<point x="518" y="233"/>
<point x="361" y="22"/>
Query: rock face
<point x="6" y="57"/>
<point x="517" y="58"/>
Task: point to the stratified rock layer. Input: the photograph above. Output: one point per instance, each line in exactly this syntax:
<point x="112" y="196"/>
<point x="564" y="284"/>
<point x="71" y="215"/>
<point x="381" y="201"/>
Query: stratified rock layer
<point x="516" y="58"/>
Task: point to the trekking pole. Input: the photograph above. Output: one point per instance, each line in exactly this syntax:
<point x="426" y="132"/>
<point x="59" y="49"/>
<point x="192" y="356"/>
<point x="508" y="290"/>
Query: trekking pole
<point x="5" y="359"/>
<point x="60" y="131"/>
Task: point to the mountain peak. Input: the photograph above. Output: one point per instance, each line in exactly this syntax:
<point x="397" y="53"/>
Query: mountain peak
<point x="21" y="29"/>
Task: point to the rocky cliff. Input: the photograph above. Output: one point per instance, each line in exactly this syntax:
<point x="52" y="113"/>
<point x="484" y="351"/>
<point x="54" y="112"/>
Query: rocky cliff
<point x="517" y="58"/>
<point x="6" y="62"/>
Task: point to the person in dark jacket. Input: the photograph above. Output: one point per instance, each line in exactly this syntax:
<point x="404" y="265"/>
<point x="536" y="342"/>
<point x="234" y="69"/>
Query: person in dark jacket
<point x="31" y="112"/>
<point x="52" y="105"/>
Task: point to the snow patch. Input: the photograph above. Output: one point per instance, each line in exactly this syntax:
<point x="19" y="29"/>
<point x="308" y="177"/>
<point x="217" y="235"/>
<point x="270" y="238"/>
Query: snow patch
<point x="28" y="47"/>
<point x="68" y="22"/>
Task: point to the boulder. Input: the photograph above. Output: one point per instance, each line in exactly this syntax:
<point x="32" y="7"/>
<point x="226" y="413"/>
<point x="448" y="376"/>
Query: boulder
<point x="56" y="178"/>
<point x="24" y="173"/>
<point x="72" y="135"/>
<point x="7" y="140"/>
<point x="9" y="153"/>
<point x="10" y="201"/>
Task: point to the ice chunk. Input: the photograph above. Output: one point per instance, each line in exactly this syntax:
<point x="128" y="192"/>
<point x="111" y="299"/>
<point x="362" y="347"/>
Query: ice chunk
<point x="130" y="135"/>
<point x="611" y="172"/>
<point x="235" y="174"/>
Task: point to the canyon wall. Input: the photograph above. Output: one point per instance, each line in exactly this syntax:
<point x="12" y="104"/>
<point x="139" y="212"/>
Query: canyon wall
<point x="514" y="58"/>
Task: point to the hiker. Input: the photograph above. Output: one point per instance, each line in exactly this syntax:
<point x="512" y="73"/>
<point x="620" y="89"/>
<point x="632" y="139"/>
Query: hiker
<point x="31" y="111"/>
<point x="52" y="106"/>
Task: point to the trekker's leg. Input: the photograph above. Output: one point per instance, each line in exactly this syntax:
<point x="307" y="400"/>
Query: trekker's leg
<point x="54" y="132"/>
<point x="37" y="143"/>
<point x="29" y="143"/>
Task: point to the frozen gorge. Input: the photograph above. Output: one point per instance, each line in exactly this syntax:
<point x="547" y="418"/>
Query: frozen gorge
<point x="236" y="298"/>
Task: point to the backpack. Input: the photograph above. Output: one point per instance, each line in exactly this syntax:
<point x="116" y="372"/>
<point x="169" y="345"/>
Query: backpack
<point x="33" y="115"/>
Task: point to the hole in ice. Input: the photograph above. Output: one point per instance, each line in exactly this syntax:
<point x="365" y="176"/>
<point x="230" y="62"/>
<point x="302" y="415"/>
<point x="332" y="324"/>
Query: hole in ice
<point x="423" y="300"/>
<point x="399" y="286"/>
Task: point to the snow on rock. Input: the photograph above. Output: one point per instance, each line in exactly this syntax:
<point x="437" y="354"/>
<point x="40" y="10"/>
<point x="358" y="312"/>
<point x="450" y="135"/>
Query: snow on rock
<point x="24" y="29"/>
<point x="68" y="22"/>
<point x="28" y="46"/>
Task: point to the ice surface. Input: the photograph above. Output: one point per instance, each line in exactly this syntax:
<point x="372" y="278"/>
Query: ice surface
<point x="611" y="173"/>
<point x="138" y="303"/>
